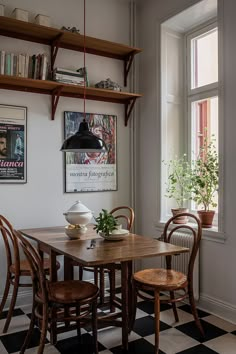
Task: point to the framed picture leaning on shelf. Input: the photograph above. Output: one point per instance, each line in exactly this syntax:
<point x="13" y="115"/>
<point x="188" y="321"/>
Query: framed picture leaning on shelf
<point x="13" y="124"/>
<point x="91" y="172"/>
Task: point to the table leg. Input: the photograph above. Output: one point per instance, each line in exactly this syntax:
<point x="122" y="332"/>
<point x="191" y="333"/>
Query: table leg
<point x="53" y="265"/>
<point x="126" y="290"/>
<point x="68" y="269"/>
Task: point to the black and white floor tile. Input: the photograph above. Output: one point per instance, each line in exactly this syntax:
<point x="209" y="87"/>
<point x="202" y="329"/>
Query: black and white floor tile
<point x="175" y="338"/>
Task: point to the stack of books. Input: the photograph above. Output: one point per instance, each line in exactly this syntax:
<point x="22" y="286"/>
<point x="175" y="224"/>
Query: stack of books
<point x="24" y="65"/>
<point x="78" y="77"/>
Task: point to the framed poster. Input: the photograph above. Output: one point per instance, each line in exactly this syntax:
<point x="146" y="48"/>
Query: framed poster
<point x="13" y="123"/>
<point x="91" y="172"/>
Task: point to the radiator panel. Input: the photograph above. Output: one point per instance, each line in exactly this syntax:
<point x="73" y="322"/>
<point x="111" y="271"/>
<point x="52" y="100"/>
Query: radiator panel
<point x="180" y="262"/>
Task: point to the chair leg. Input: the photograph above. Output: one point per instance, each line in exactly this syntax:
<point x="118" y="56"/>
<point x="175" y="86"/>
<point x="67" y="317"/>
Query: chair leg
<point x="78" y="323"/>
<point x="43" y="329"/>
<point x="172" y="296"/>
<point x="12" y="305"/>
<point x="6" y="291"/>
<point x="133" y="307"/>
<point x="101" y="286"/>
<point x="95" y="326"/>
<point x="112" y="281"/>
<point x="30" y="331"/>
<point x="157" y="319"/>
<point x="81" y="271"/>
<point x="53" y="326"/>
<point x="194" y="310"/>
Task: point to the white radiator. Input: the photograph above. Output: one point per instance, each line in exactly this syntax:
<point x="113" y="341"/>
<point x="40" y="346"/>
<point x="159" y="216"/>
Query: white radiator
<point x="180" y="262"/>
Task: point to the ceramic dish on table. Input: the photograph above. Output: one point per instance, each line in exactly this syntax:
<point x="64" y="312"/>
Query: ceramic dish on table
<point x="116" y="235"/>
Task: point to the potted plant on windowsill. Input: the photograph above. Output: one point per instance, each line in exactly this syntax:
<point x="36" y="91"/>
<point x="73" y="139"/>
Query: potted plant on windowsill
<point x="205" y="181"/>
<point x="106" y="223"/>
<point x="179" y="185"/>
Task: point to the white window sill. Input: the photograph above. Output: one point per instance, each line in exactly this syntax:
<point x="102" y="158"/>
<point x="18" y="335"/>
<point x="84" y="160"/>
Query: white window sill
<point x="211" y="234"/>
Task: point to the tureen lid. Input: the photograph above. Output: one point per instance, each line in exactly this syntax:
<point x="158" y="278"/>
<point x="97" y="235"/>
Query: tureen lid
<point x="78" y="207"/>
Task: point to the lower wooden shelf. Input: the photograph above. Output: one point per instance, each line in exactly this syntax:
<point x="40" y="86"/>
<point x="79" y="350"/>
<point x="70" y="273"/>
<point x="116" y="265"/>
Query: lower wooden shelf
<point x="57" y="89"/>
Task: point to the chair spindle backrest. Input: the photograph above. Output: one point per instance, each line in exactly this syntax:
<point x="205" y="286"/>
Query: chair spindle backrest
<point x="195" y="231"/>
<point x="36" y="266"/>
<point x="11" y="244"/>
<point x="124" y="213"/>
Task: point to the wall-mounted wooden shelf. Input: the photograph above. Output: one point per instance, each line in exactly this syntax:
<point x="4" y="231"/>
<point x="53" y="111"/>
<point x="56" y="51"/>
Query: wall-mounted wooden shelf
<point x="56" y="39"/>
<point x="57" y="89"/>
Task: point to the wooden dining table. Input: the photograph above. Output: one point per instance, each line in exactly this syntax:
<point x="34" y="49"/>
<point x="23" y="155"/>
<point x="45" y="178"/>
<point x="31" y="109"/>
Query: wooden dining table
<point x="54" y="241"/>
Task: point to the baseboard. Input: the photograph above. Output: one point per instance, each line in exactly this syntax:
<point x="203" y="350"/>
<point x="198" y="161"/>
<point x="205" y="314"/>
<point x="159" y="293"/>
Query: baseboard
<point x="24" y="298"/>
<point x="217" y="307"/>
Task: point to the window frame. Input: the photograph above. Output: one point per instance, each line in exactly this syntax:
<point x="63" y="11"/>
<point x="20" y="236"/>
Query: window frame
<point x="200" y="93"/>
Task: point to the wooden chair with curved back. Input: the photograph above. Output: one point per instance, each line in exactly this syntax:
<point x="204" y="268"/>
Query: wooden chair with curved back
<point x="55" y="302"/>
<point x="168" y="280"/>
<point x="125" y="215"/>
<point x="16" y="268"/>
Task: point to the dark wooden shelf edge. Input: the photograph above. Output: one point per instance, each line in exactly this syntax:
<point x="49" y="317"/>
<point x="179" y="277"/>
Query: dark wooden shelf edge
<point x="57" y="92"/>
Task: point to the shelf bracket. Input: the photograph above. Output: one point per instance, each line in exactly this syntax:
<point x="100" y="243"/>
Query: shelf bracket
<point x="55" y="45"/>
<point x="55" y="98"/>
<point x="128" y="109"/>
<point x="127" y="65"/>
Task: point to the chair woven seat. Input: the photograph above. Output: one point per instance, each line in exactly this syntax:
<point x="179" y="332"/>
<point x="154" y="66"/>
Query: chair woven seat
<point x="162" y="279"/>
<point x="71" y="291"/>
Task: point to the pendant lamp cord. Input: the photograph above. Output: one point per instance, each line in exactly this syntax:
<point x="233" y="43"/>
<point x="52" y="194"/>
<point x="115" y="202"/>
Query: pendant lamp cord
<point x="84" y="64"/>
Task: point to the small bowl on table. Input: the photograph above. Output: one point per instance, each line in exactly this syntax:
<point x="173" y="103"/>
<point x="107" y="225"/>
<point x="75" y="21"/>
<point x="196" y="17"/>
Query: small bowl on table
<point x="75" y="231"/>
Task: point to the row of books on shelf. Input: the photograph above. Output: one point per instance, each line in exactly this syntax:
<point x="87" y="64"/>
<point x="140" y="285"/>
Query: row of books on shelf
<point x="24" y="65"/>
<point x="78" y="77"/>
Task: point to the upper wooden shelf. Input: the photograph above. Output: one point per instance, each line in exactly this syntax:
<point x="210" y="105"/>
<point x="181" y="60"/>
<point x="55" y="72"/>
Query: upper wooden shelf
<point x="57" y="89"/>
<point x="47" y="35"/>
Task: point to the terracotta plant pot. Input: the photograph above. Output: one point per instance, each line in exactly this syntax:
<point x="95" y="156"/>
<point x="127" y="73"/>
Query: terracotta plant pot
<point x="181" y="219"/>
<point x="206" y="218"/>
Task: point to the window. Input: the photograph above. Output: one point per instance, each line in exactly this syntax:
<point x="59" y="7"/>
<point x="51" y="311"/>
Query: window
<point x="189" y="94"/>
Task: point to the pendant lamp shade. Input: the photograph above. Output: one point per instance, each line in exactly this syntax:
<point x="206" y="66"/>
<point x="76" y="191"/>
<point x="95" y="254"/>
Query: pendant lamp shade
<point x="84" y="141"/>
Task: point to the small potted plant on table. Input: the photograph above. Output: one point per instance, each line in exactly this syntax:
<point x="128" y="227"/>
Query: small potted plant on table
<point x="179" y="185"/>
<point x="205" y="181"/>
<point x="106" y="223"/>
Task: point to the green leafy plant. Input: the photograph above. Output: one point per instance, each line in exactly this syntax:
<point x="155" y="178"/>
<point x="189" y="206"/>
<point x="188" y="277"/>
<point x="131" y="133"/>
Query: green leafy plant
<point x="179" y="180"/>
<point x="106" y="222"/>
<point x="205" y="175"/>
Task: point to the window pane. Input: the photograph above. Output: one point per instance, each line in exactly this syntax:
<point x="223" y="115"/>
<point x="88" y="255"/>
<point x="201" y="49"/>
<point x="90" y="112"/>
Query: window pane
<point x="205" y="125"/>
<point x="204" y="59"/>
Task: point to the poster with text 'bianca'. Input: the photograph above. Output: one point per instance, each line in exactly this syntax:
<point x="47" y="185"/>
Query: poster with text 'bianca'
<point x="13" y="123"/>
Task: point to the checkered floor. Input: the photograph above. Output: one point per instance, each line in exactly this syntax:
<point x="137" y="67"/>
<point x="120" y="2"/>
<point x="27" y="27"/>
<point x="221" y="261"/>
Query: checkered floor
<point x="182" y="337"/>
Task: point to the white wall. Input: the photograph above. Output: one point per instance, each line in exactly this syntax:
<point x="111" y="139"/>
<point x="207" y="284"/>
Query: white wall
<point x="42" y="201"/>
<point x="218" y="261"/>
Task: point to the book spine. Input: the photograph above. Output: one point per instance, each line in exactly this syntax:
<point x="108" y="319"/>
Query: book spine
<point x="67" y="72"/>
<point x="26" y="74"/>
<point x="7" y="70"/>
<point x="2" y="67"/>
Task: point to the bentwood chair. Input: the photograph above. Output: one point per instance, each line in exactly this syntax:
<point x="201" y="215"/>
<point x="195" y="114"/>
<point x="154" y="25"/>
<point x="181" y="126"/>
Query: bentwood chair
<point x="125" y="215"/>
<point x="16" y="268"/>
<point x="57" y="302"/>
<point x="178" y="285"/>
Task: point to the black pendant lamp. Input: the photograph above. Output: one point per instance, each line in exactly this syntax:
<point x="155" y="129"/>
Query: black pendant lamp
<point x="84" y="140"/>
